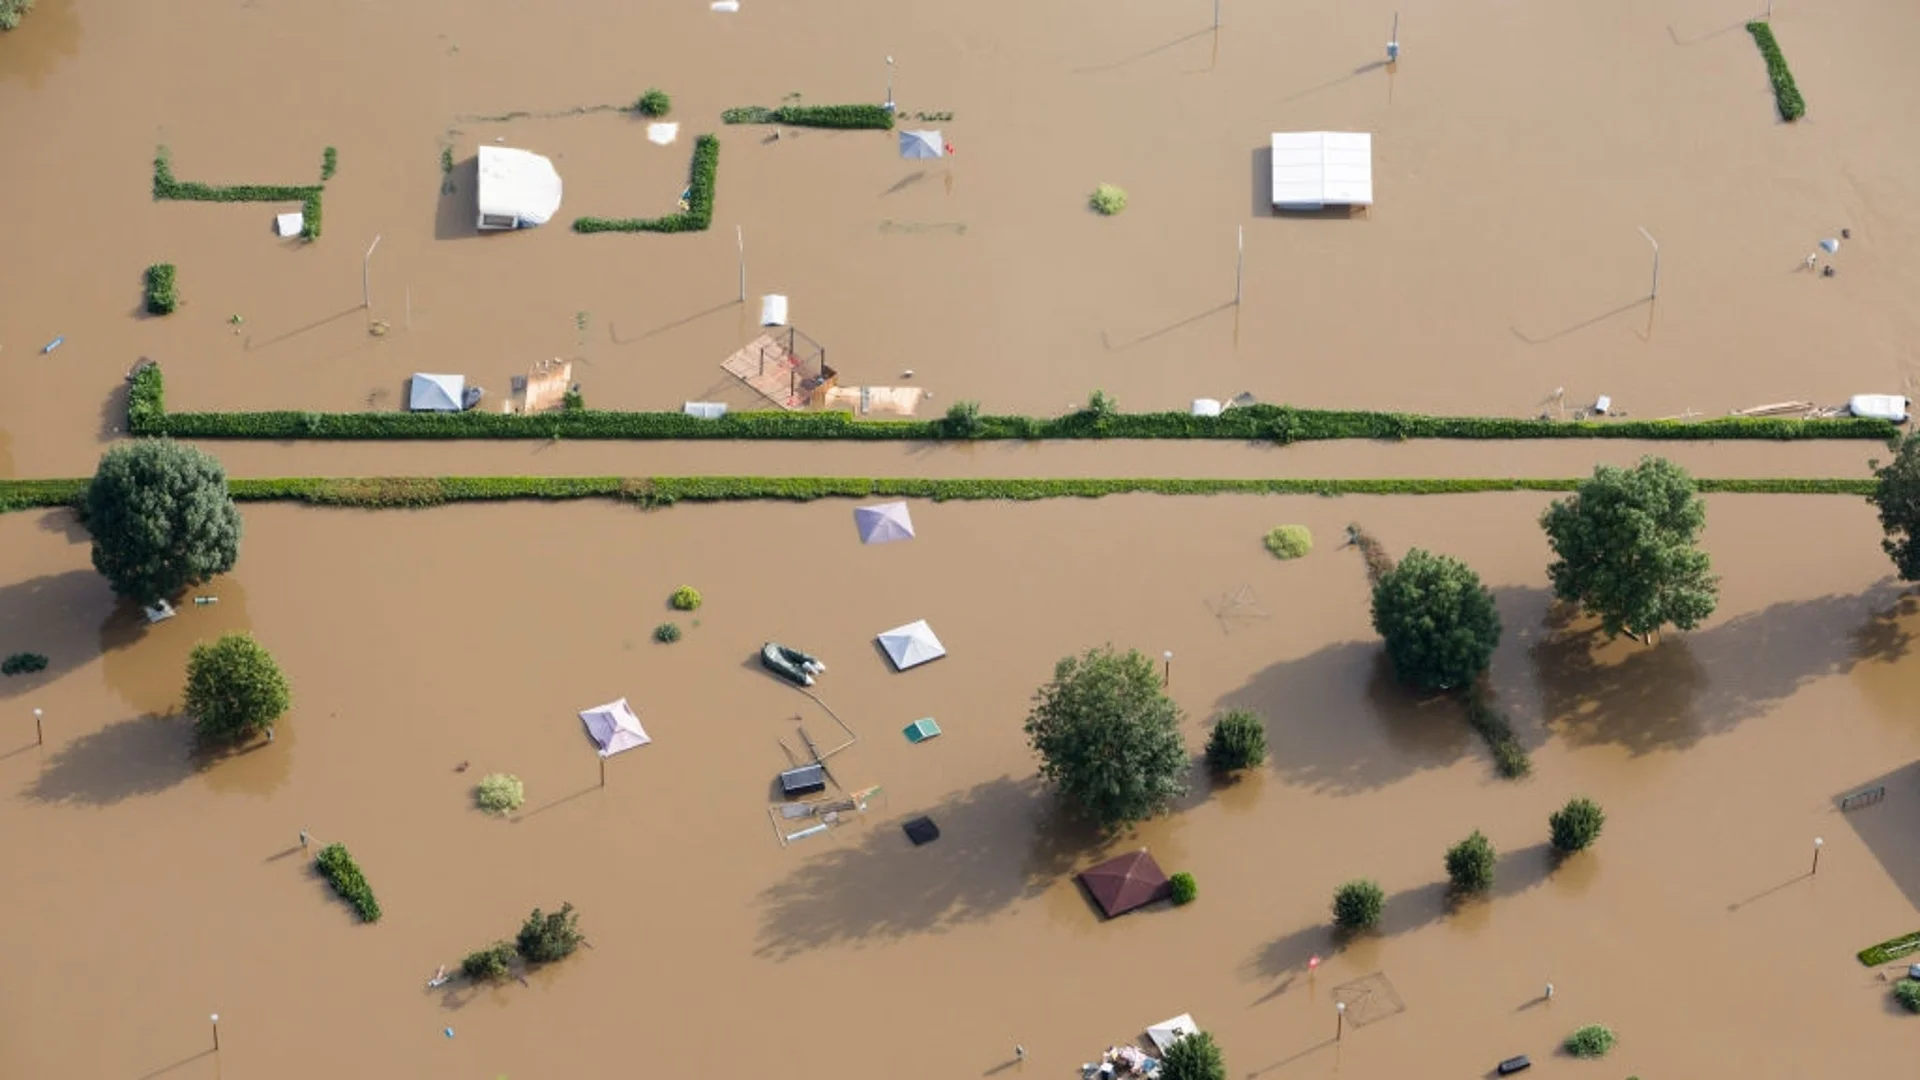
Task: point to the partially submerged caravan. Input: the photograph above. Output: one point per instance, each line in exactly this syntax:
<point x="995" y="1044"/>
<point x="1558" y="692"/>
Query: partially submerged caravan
<point x="518" y="189"/>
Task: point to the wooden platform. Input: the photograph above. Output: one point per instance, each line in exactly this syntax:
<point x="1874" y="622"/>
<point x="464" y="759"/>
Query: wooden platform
<point x="773" y="378"/>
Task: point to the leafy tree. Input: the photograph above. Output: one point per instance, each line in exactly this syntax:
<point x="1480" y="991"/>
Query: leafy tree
<point x="1438" y="621"/>
<point x="1238" y="741"/>
<point x="963" y="421"/>
<point x="1108" y="738"/>
<point x="1195" y="1057"/>
<point x="161" y="519"/>
<point x="1470" y="864"/>
<point x="1907" y="993"/>
<point x="1897" y="497"/>
<point x="546" y="938"/>
<point x="491" y="964"/>
<point x="1625" y="548"/>
<point x="1357" y="905"/>
<point x="234" y="688"/>
<point x="499" y="793"/>
<point x="1591" y="1041"/>
<point x="1575" y="825"/>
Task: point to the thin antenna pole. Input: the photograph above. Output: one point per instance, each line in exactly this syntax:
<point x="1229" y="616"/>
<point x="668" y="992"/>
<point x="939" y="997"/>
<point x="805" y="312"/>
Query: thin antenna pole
<point x="1240" y="267"/>
<point x="1655" y="292"/>
<point x="740" y="241"/>
<point x="1216" y="14"/>
<point x="366" y="270"/>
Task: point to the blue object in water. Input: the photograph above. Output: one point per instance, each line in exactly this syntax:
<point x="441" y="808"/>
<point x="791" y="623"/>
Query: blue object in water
<point x="449" y="1033"/>
<point x="54" y="344"/>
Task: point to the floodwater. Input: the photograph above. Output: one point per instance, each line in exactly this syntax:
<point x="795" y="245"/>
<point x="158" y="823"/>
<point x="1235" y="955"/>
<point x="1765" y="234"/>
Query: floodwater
<point x="1502" y="260"/>
<point x="154" y="888"/>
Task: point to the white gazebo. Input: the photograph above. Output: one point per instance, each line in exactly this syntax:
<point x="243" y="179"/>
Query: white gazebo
<point x="614" y="727"/>
<point x="911" y="645"/>
<point x="518" y="189"/>
<point x="883" y="522"/>
<point x="1313" y="170"/>
<point x="436" y="393"/>
<point x="1167" y="1032"/>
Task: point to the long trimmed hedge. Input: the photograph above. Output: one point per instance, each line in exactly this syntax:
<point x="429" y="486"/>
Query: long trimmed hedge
<point x="696" y="217"/>
<point x="147" y="415"/>
<point x="344" y="875"/>
<point x="1786" y="93"/>
<point x="875" y="117"/>
<point x="165" y="186"/>
<point x="161" y="298"/>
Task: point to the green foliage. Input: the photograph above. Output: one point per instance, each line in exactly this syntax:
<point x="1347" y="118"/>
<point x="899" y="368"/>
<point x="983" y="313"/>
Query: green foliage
<point x="329" y="161"/>
<point x="1438" y="621"/>
<point x="685" y="598"/>
<point x="1470" y="864"/>
<point x="1889" y="950"/>
<point x="491" y="964"/>
<point x="1357" y="905"/>
<point x="1576" y="825"/>
<point x="1184" y="888"/>
<point x="1196" y="1057"/>
<point x="1786" y="95"/>
<point x="822" y="116"/>
<point x="1108" y="200"/>
<point x="1591" y="1041"/>
<point x="161" y="519"/>
<point x="165" y="186"/>
<point x="962" y="421"/>
<point x="1508" y="755"/>
<point x="1907" y="993"/>
<point x="654" y="102"/>
<point x="1289" y="541"/>
<point x="500" y="793"/>
<point x="1238" y="741"/>
<point x="546" y="938"/>
<point x="667" y="633"/>
<point x="344" y="875"/>
<point x="234" y="688"/>
<point x="1626" y="549"/>
<point x="573" y="400"/>
<point x="1896" y="495"/>
<point x="10" y="12"/>
<point x="23" y="663"/>
<point x="161" y="299"/>
<point x="695" y="218"/>
<point x="1101" y="407"/>
<point x="1108" y="738"/>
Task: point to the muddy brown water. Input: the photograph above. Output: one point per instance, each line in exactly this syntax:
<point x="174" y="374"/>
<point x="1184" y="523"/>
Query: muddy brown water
<point x="153" y="888"/>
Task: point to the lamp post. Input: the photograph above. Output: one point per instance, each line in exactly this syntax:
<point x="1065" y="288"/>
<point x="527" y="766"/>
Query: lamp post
<point x="1216" y="14"/>
<point x="1240" y="265"/>
<point x="366" y="270"/>
<point x="216" y="1033"/>
<point x="1166" y="674"/>
<point x="1393" y="41"/>
<point x="603" y="770"/>
<point x="740" y="242"/>
<point x="889" y="105"/>
<point x="39" y="734"/>
<point x="1817" y="845"/>
<point x="1655" y="292"/>
<point x="1339" y="1020"/>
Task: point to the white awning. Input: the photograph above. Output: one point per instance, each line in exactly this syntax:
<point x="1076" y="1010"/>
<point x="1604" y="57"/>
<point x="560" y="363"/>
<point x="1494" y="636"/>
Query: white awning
<point x="614" y="727"/>
<point x="1317" y="169"/>
<point x="518" y="188"/>
<point x="911" y="645"/>
<point x="1167" y="1032"/>
<point x="436" y="393"/>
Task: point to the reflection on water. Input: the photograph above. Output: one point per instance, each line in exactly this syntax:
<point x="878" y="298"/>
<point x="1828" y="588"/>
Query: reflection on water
<point x="47" y="35"/>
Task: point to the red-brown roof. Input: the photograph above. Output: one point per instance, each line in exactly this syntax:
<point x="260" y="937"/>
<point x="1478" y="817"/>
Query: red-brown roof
<point x="1130" y="881"/>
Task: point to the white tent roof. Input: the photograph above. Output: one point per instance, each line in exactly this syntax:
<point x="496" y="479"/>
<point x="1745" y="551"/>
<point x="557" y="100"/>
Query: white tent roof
<point x="1317" y="169"/>
<point x="436" y="393"/>
<point x="883" y="522"/>
<point x="1167" y="1032"/>
<point x="911" y="645"/>
<point x="922" y="144"/>
<point x="614" y="727"/>
<point x="519" y="184"/>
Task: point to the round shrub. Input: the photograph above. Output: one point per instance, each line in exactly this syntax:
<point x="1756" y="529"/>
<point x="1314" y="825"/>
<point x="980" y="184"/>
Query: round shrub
<point x="489" y="964"/>
<point x="23" y="663"/>
<point x="686" y="598"/>
<point x="1591" y="1041"/>
<point x="1470" y="864"/>
<point x="1907" y="992"/>
<point x="1184" y="889"/>
<point x="1196" y="1057"/>
<point x="667" y="633"/>
<point x="1108" y="200"/>
<point x="654" y="102"/>
<point x="1289" y="541"/>
<point x="1575" y="825"/>
<point x="499" y="793"/>
<point x="1357" y="905"/>
<point x="1238" y="741"/>
<point x="234" y="688"/>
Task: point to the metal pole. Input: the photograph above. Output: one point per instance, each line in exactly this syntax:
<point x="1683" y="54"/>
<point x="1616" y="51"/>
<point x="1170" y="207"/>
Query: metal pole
<point x="1216" y="14"/>
<point x="216" y="1033"/>
<point x="1339" y="1020"/>
<point x="1240" y="267"/>
<point x="1769" y="10"/>
<point x="1817" y="844"/>
<point x="603" y="772"/>
<point x="1656" y="262"/>
<point x="1393" y="40"/>
<point x="1166" y="675"/>
<point x="39" y="735"/>
<point x="740" y="241"/>
<point x="409" y="307"/>
<point x="366" y="285"/>
<point x="889" y="84"/>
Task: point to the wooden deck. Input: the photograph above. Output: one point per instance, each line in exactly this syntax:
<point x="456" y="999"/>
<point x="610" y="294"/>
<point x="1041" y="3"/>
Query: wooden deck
<point x="773" y="379"/>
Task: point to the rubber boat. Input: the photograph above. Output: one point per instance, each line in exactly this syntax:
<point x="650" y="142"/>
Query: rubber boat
<point x="792" y="665"/>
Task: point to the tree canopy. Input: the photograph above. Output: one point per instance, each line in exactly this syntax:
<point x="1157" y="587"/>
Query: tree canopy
<point x="161" y="519"/>
<point x="1108" y="738"/>
<point x="1626" y="549"/>
<point x="1438" y="621"/>
<point x="234" y="688"/>
<point x="1897" y="497"/>
<point x="1194" y="1057"/>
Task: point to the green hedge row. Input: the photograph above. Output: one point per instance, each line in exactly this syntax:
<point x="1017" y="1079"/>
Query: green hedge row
<point x="165" y="186"/>
<point x="1889" y="950"/>
<point x="876" y="117"/>
<point x="344" y="875"/>
<point x="1786" y="95"/>
<point x="695" y="218"/>
<point x="161" y="299"/>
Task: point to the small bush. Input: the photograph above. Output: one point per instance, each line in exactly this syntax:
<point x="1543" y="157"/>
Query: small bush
<point x="686" y="598"/>
<point x="10" y="12"/>
<point x="1470" y="864"/>
<point x="23" y="663"/>
<point x="667" y="633"/>
<point x="1907" y="992"/>
<point x="1238" y="741"/>
<point x="344" y="875"/>
<point x="962" y="421"/>
<point x="546" y="938"/>
<point x="1357" y="905"/>
<point x="1509" y="757"/>
<point x="1184" y="888"/>
<point x="491" y="964"/>
<point x="1289" y="541"/>
<point x="1101" y="406"/>
<point x="1591" y="1041"/>
<point x="160" y="295"/>
<point x="1786" y="95"/>
<point x="1196" y="1057"/>
<point x="329" y="161"/>
<point x="499" y="793"/>
<point x="1575" y="825"/>
<point x="654" y="102"/>
<point x="1108" y="200"/>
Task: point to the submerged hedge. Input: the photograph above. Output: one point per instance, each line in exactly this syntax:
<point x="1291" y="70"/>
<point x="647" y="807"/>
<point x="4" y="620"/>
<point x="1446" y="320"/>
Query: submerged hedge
<point x="344" y="875"/>
<point x="1786" y="95"/>
<point x="165" y="186"/>
<point x="876" y="117"/>
<point x="161" y="299"/>
<point x="695" y="218"/>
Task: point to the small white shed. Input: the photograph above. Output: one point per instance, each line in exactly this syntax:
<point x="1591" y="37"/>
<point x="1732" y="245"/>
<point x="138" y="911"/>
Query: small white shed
<point x="518" y="189"/>
<point x="1313" y="170"/>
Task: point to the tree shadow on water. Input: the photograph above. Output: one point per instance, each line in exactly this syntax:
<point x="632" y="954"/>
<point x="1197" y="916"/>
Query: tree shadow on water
<point x="55" y="615"/>
<point x="1001" y="841"/>
<point x="141" y="756"/>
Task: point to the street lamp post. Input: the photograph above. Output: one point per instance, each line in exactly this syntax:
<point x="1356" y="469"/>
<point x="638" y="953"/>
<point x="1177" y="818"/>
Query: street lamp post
<point x="1166" y="674"/>
<point x="39" y="734"/>
<point x="1818" y="843"/>
<point x="1655" y="292"/>
<point x="366" y="271"/>
<point x="1339" y="1020"/>
<point x="216" y="1033"/>
<point x="889" y="105"/>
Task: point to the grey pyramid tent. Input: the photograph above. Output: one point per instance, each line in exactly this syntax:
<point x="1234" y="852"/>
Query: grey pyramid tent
<point x="922" y="144"/>
<point x="883" y="523"/>
<point x="436" y="393"/>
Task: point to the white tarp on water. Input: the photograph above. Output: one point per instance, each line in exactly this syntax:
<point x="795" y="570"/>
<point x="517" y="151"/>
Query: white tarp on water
<point x="518" y="188"/>
<point x="883" y="522"/>
<point x="614" y="727"/>
<point x="922" y="144"/>
<point x="1167" y="1032"/>
<point x="773" y="310"/>
<point x="911" y="645"/>
<point x="436" y="393"/>
<point x="1892" y="407"/>
<point x="1313" y="170"/>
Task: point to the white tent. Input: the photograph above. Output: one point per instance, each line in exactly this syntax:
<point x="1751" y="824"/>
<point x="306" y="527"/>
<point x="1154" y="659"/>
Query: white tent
<point x="884" y="522"/>
<point x="436" y="393"/>
<point x="1167" y="1032"/>
<point x="911" y="645"/>
<point x="518" y="188"/>
<point x="1313" y="170"/>
<point x="922" y="144"/>
<point x="615" y="727"/>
